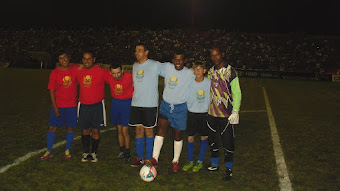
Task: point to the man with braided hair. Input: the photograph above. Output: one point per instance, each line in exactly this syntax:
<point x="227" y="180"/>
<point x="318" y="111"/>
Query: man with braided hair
<point x="225" y="101"/>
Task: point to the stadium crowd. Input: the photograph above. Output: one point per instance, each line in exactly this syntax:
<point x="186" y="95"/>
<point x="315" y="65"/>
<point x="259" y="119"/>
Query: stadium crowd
<point x="273" y="52"/>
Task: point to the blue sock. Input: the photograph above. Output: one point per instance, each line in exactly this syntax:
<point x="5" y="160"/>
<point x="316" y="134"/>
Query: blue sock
<point x="149" y="147"/>
<point x="50" y="140"/>
<point x="69" y="139"/>
<point x="229" y="165"/>
<point x="139" y="143"/>
<point x="190" y="150"/>
<point x="202" y="150"/>
<point x="214" y="161"/>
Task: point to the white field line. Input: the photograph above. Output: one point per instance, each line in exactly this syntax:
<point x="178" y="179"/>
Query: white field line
<point x="285" y="184"/>
<point x="34" y="153"/>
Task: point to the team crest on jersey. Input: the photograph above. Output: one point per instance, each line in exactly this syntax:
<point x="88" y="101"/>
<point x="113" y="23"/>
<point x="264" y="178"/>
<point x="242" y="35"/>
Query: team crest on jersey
<point x="87" y="81"/>
<point x="200" y="95"/>
<point x="67" y="81"/>
<point x="140" y="74"/>
<point x="173" y="82"/>
<point x="118" y="89"/>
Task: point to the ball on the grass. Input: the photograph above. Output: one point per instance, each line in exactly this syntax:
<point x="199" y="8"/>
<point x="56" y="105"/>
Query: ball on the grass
<point x="148" y="173"/>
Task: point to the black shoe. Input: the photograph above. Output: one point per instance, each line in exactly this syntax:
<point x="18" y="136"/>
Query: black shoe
<point x="228" y="174"/>
<point x="127" y="158"/>
<point x="212" y="168"/>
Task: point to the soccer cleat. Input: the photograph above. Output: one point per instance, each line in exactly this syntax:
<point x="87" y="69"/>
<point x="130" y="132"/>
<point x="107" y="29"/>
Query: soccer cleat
<point x="228" y="174"/>
<point x="138" y="162"/>
<point x="212" y="168"/>
<point x="47" y="155"/>
<point x="175" y="167"/>
<point x="120" y="155"/>
<point x="152" y="162"/>
<point x="67" y="154"/>
<point x="188" y="166"/>
<point x="85" y="157"/>
<point x="94" y="157"/>
<point x="197" y="167"/>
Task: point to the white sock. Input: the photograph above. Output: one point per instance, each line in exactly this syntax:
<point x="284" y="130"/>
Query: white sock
<point x="177" y="150"/>
<point x="157" y="146"/>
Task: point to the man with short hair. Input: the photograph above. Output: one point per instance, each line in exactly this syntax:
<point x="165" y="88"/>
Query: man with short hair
<point x="144" y="104"/>
<point x="225" y="102"/>
<point x="121" y="86"/>
<point x="173" y="108"/>
<point x="63" y="92"/>
<point x="91" y="107"/>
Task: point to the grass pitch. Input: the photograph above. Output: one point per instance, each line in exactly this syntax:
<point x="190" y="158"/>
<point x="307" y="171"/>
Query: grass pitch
<point x="306" y="114"/>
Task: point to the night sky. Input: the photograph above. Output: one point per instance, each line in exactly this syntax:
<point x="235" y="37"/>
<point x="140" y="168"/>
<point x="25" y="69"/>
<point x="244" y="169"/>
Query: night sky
<point x="320" y="17"/>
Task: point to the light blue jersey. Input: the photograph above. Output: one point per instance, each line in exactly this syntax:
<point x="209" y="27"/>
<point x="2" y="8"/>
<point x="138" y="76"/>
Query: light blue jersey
<point x="176" y="84"/>
<point x="145" y="81"/>
<point x="198" y="100"/>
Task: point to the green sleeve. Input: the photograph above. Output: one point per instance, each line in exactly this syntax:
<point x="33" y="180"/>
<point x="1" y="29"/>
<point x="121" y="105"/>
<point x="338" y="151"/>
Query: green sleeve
<point x="236" y="92"/>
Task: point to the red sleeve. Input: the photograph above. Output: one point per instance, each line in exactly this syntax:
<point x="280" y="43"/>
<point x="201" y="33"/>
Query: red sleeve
<point x="107" y="76"/>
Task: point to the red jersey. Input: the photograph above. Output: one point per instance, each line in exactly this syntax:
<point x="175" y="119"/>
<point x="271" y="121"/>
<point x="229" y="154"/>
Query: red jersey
<point x="64" y="84"/>
<point x="92" y="83"/>
<point x="123" y="88"/>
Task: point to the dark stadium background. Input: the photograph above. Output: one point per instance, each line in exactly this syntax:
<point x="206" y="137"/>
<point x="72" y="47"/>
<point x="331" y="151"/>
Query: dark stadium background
<point x="316" y="17"/>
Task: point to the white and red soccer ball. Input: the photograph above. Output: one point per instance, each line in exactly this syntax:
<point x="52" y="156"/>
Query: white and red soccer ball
<point x="148" y="173"/>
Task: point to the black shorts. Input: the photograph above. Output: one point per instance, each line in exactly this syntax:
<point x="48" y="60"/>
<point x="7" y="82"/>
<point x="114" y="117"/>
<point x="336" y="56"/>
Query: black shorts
<point x="91" y="116"/>
<point x="146" y="116"/>
<point x="197" y="124"/>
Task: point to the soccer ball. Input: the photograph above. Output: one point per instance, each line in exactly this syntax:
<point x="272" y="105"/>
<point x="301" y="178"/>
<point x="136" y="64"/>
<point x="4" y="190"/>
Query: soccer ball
<point x="148" y="173"/>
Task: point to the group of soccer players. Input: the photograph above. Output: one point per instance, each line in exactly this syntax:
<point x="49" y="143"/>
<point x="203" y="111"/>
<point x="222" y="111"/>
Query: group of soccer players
<point x="207" y="106"/>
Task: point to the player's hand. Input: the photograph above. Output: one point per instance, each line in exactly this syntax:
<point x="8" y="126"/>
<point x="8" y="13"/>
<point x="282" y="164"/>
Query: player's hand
<point x="56" y="112"/>
<point x="101" y="66"/>
<point x="80" y="67"/>
<point x="234" y="117"/>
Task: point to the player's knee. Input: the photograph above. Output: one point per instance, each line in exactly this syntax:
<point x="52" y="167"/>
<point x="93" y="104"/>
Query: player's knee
<point x="139" y="132"/>
<point x="69" y="129"/>
<point x="191" y="139"/>
<point x="52" y="129"/>
<point x="149" y="132"/>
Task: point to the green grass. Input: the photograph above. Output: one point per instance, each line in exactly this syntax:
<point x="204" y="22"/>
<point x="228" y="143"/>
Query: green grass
<point x="306" y="115"/>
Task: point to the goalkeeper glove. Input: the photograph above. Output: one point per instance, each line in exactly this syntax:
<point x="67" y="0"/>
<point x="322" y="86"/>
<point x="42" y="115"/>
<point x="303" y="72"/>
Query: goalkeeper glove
<point x="234" y="117"/>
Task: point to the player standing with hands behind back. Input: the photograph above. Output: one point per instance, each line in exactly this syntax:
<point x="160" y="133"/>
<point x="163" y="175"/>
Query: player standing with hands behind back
<point x="225" y="102"/>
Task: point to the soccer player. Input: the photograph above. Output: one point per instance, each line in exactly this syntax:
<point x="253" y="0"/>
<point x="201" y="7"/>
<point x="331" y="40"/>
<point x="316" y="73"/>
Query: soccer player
<point x="91" y="108"/>
<point x="198" y="104"/>
<point x="63" y="92"/>
<point x="144" y="103"/>
<point x="173" y="108"/>
<point x="223" y="113"/>
<point x="121" y="86"/>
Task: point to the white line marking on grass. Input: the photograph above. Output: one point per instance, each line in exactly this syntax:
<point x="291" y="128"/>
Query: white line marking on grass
<point x="31" y="154"/>
<point x="282" y="171"/>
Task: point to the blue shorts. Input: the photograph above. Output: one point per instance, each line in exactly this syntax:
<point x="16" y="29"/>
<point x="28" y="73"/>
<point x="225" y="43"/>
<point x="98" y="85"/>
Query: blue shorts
<point x="120" y="111"/>
<point x="175" y="114"/>
<point x="68" y="117"/>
